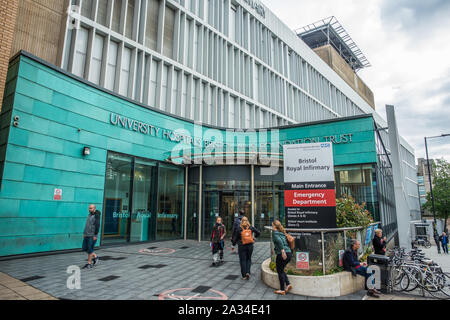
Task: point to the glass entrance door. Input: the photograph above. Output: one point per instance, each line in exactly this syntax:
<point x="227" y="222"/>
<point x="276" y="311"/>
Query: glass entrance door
<point x="225" y="204"/>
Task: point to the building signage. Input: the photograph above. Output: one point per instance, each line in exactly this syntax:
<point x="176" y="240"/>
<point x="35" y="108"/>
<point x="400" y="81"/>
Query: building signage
<point x="302" y="260"/>
<point x="310" y="197"/>
<point x="258" y="7"/>
<point x="173" y="136"/>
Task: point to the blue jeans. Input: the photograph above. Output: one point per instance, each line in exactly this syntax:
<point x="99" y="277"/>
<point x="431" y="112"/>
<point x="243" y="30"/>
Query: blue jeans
<point x="445" y="248"/>
<point x="245" y="258"/>
<point x="362" y="271"/>
<point x="88" y="244"/>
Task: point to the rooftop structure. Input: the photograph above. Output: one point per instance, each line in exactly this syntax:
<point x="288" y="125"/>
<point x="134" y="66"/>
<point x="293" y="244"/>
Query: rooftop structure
<point x="330" y="32"/>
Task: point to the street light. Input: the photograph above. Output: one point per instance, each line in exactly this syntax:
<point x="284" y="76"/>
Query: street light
<point x="429" y="173"/>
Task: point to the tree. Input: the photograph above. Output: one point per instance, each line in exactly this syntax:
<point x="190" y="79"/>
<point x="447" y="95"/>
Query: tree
<point x="441" y="191"/>
<point x="351" y="214"/>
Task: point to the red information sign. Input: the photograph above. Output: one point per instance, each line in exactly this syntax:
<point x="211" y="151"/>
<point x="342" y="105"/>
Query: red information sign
<point x="57" y="195"/>
<point x="302" y="260"/>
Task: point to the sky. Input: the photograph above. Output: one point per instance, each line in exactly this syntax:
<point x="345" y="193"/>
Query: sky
<point x="407" y="42"/>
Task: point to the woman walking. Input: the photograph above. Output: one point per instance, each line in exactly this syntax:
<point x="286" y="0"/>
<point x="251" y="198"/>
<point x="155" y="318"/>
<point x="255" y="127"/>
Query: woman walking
<point x="244" y="238"/>
<point x="217" y="243"/>
<point x="284" y="255"/>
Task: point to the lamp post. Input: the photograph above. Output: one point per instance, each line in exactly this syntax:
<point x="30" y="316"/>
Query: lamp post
<point x="429" y="173"/>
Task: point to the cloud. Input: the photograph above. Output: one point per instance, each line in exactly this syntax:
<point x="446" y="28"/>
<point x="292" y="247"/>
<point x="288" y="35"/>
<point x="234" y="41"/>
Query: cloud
<point x="415" y="15"/>
<point x="408" y="45"/>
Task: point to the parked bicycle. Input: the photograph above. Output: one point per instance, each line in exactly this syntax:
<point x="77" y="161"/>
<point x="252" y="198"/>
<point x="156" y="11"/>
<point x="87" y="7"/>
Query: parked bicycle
<point x="411" y="270"/>
<point x="422" y="241"/>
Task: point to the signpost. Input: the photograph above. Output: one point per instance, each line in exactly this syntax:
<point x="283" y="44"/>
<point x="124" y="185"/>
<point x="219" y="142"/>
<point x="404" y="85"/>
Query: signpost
<point x="310" y="197"/>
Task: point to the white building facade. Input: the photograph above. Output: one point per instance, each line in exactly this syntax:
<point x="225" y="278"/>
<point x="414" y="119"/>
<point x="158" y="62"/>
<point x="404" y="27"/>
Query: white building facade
<point x="226" y="63"/>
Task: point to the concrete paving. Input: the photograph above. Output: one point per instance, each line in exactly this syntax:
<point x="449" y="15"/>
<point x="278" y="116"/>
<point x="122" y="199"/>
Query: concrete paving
<point x="162" y="270"/>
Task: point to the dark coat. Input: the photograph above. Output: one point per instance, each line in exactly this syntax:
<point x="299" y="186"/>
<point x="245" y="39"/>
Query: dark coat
<point x="350" y="260"/>
<point x="379" y="245"/>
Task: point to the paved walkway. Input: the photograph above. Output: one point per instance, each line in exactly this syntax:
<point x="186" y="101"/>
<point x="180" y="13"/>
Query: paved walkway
<point x="13" y="289"/>
<point x="163" y="270"/>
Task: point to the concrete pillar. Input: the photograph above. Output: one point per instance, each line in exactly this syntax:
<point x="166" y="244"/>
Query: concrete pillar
<point x="401" y="202"/>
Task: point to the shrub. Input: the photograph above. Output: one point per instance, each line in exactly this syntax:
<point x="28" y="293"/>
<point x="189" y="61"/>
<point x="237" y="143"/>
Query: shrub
<point x="351" y="214"/>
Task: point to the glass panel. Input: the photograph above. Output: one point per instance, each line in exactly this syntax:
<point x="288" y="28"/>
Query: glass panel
<point x="269" y="198"/>
<point x="97" y="56"/>
<point x="112" y="63"/>
<point x="143" y="217"/>
<point x="80" y="52"/>
<point x="117" y="198"/>
<point x="125" y="74"/>
<point x="170" y="202"/>
<point x="224" y="194"/>
<point x="192" y="216"/>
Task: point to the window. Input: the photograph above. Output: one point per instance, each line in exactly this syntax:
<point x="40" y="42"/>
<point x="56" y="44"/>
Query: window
<point x="79" y="64"/>
<point x="112" y="64"/>
<point x="164" y="87"/>
<point x="97" y="56"/>
<point x="153" y="83"/>
<point x="152" y="209"/>
<point x="170" y="201"/>
<point x="125" y="72"/>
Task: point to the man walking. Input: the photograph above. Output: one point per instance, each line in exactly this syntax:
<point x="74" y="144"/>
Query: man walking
<point x="436" y="239"/>
<point x="90" y="235"/>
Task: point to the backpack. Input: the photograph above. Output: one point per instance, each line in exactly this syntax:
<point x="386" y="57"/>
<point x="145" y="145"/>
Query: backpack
<point x="291" y="241"/>
<point x="247" y="236"/>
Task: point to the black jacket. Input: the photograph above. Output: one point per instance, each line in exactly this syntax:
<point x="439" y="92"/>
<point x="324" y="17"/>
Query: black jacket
<point x="217" y="232"/>
<point x="350" y="260"/>
<point x="378" y="245"/>
<point x="236" y="237"/>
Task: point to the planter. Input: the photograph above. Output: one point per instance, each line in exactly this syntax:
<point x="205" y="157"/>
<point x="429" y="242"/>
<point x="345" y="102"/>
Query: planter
<point x="334" y="285"/>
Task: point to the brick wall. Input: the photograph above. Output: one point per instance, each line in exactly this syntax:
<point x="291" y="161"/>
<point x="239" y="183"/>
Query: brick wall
<point x="8" y="15"/>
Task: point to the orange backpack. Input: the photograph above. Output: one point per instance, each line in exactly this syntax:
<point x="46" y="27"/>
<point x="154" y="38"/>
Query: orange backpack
<point x="247" y="236"/>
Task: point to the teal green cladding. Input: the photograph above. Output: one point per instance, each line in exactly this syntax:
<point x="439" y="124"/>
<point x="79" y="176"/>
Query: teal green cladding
<point x="59" y="116"/>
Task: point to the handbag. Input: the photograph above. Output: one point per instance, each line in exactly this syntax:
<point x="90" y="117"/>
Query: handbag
<point x="291" y="241"/>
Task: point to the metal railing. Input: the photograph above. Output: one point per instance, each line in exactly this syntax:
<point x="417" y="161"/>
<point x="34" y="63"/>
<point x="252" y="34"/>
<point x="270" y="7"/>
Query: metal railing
<point x="324" y="247"/>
